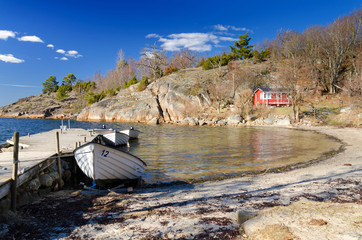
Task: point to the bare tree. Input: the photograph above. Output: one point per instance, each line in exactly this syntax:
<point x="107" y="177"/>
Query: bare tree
<point x="184" y="59"/>
<point x="339" y="41"/>
<point x="219" y="91"/>
<point x="153" y="60"/>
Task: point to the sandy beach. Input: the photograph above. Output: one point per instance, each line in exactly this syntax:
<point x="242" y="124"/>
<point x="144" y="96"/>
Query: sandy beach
<point x="208" y="210"/>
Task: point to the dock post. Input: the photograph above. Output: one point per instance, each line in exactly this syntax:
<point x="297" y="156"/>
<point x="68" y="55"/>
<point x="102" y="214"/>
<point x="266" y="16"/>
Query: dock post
<point x="84" y="139"/>
<point x="59" y="160"/>
<point x="15" y="172"/>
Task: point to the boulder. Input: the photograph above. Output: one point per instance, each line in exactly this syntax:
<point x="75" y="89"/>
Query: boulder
<point x="234" y="119"/>
<point x="33" y="185"/>
<point x="153" y="121"/>
<point x="46" y="180"/>
<point x="242" y="216"/>
<point x="222" y="122"/>
<point x="282" y="122"/>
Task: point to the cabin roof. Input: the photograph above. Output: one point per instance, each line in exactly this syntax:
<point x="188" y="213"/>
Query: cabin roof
<point x="280" y="90"/>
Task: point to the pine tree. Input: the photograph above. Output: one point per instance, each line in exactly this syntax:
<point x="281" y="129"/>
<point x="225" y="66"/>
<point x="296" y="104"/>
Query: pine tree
<point x="50" y="85"/>
<point x="242" y="49"/>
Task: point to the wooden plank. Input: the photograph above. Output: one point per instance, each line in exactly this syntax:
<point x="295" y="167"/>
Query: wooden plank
<point x="5" y="188"/>
<point x="26" y="176"/>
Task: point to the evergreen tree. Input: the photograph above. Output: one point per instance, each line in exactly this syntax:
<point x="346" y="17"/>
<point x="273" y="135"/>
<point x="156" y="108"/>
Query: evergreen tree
<point x="69" y="79"/>
<point x="242" y="49"/>
<point x="50" y="85"/>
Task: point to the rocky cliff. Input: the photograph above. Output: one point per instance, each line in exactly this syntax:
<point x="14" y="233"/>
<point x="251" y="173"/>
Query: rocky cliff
<point x="171" y="98"/>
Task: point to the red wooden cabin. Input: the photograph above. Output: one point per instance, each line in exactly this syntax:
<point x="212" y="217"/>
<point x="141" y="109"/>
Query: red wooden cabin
<point x="269" y="97"/>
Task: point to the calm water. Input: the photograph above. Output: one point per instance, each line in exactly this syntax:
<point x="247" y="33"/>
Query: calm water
<point x="182" y="152"/>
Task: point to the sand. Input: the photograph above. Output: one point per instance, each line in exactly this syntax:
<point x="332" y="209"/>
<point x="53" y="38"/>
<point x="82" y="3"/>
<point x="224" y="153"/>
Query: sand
<point x="202" y="210"/>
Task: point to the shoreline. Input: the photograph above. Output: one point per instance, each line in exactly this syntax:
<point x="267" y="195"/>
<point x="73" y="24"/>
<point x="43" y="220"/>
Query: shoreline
<point x="201" y="210"/>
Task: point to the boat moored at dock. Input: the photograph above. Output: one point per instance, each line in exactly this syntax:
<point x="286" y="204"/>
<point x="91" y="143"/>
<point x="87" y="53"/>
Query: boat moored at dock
<point x="102" y="162"/>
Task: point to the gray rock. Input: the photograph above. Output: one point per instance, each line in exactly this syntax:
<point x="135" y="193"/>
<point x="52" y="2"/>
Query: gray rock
<point x="202" y="122"/>
<point x="269" y="121"/>
<point x="54" y="175"/>
<point x="242" y="216"/>
<point x="234" y="119"/>
<point x="222" y="122"/>
<point x="33" y="185"/>
<point x="283" y="122"/>
<point x="153" y="121"/>
<point x="251" y="117"/>
<point x="46" y="180"/>
<point x="190" y="121"/>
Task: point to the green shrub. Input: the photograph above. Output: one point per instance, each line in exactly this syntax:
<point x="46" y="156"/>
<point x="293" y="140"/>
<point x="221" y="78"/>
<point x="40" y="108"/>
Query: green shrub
<point x="110" y="92"/>
<point x="143" y="84"/>
<point x="130" y="82"/>
<point x="93" y="97"/>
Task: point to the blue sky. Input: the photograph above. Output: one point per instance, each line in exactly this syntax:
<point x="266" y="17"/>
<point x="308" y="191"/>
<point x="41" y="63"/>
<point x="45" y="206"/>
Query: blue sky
<point x="39" y="39"/>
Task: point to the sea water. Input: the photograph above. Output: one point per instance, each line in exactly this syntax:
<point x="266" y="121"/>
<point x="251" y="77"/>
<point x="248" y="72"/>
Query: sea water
<point x="188" y="152"/>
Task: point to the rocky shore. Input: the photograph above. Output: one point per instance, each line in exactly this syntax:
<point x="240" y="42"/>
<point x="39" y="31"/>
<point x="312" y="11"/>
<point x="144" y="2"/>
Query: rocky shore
<point x="322" y="201"/>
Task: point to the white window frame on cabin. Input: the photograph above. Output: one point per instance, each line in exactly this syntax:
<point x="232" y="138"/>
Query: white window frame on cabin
<point x="262" y="95"/>
<point x="267" y="95"/>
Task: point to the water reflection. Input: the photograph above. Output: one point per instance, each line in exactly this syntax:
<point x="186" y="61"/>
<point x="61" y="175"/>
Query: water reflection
<point x="182" y="152"/>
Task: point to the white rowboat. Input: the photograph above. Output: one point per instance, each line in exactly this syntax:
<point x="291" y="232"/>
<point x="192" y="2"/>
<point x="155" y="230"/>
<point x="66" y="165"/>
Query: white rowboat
<point x="113" y="137"/>
<point x="101" y="162"/>
<point x="132" y="133"/>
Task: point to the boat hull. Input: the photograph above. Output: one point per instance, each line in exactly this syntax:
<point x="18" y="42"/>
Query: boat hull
<point x="101" y="162"/>
<point x="112" y="137"/>
<point x="115" y="138"/>
<point x="132" y="133"/>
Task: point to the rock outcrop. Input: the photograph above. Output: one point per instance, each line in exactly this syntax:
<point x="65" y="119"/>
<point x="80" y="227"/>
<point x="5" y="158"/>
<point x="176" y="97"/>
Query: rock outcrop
<point x="167" y="99"/>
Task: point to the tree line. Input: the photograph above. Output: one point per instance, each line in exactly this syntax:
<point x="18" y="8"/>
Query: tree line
<point x="321" y="59"/>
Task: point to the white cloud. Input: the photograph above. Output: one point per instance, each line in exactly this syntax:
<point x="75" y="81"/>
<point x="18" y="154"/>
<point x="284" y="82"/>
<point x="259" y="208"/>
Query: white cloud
<point x="199" y="42"/>
<point x="60" y="51"/>
<point x="225" y="28"/>
<point x="64" y="59"/>
<point x="15" y="85"/>
<point x="73" y="53"/>
<point x="220" y="27"/>
<point x="10" y="58"/>
<point x="5" y="34"/>
<point x="30" y="39"/>
<point x="50" y="46"/>
<point x="228" y="39"/>
<point x="153" y="35"/>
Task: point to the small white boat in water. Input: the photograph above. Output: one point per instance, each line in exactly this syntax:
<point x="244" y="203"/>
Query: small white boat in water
<point x="112" y="137"/>
<point x="101" y="162"/>
<point x="132" y="133"/>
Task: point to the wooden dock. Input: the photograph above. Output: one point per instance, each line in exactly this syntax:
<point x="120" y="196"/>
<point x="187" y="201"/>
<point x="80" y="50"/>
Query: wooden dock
<point x="37" y="153"/>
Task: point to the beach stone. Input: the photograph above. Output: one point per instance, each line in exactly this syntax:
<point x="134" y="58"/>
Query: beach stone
<point x="283" y="122"/>
<point x="269" y="120"/>
<point x="242" y="216"/>
<point x="234" y="119"/>
<point x="202" y="122"/>
<point x="54" y="175"/>
<point x="46" y="180"/>
<point x="222" y="122"/>
<point x="154" y="121"/>
<point x="33" y="185"/>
